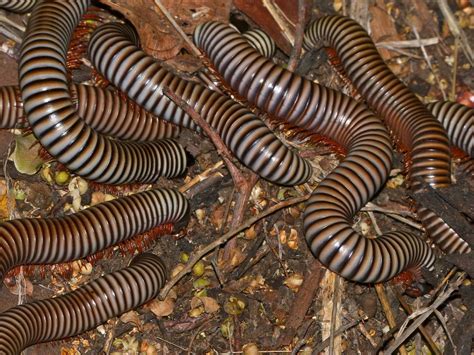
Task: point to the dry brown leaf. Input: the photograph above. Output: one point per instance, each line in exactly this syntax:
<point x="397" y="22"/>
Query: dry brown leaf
<point x="26" y="288"/>
<point x="162" y="308"/>
<point x="210" y="304"/>
<point x="131" y="317"/>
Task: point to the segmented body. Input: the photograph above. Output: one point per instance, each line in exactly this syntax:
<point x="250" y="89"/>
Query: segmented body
<point x="113" y="50"/>
<point x="57" y="240"/>
<point x="54" y="120"/>
<point x="333" y="204"/>
<point x="83" y="309"/>
<point x="105" y="111"/>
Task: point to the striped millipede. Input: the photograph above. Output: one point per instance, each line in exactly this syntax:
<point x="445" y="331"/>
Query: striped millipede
<point x="83" y="309"/>
<point x="56" y="240"/>
<point x="19" y="6"/>
<point x="410" y="122"/>
<point x="262" y="42"/>
<point x="102" y="109"/>
<point x="113" y="51"/>
<point x="333" y="204"/>
<point x="412" y="125"/>
<point x="458" y="120"/>
<point x="54" y="120"/>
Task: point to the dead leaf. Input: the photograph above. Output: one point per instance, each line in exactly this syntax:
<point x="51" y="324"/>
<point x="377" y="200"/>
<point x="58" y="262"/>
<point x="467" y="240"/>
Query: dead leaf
<point x="209" y="303"/>
<point x="161" y="308"/>
<point x="25" y="156"/>
<point x="131" y="317"/>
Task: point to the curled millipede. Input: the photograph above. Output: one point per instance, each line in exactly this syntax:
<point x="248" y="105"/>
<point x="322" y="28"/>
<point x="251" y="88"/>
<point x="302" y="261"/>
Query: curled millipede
<point x="410" y="122"/>
<point x="333" y="204"/>
<point x="114" y="52"/>
<point x="54" y="120"/>
<point x="83" y="309"/>
<point x="412" y="125"/>
<point x="56" y="240"/>
<point x="262" y="42"/>
<point x="19" y="6"/>
<point x="102" y="109"/>
<point x="458" y="120"/>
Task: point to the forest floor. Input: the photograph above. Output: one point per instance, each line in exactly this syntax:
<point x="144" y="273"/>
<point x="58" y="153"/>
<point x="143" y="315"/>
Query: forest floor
<point x="259" y="289"/>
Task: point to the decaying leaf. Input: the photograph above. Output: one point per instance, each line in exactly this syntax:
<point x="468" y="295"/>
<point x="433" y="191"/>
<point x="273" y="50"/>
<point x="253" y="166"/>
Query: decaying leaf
<point x="294" y="281"/>
<point x="210" y="304"/>
<point x="162" y="308"/>
<point x="25" y="156"/>
<point x="131" y="317"/>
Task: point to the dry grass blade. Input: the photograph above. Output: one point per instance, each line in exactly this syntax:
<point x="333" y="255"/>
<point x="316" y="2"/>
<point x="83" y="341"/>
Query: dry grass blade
<point x="423" y="315"/>
<point x="456" y="30"/>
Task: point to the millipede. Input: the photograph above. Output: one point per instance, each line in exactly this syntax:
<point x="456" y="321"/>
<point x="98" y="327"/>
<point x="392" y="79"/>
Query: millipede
<point x="333" y="204"/>
<point x="83" y="309"/>
<point x="415" y="130"/>
<point x="113" y="51"/>
<point x="56" y="240"/>
<point x="53" y="117"/>
<point x="102" y="109"/>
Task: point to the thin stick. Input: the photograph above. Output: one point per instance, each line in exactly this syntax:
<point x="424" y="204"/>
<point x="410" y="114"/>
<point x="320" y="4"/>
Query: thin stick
<point x="334" y="313"/>
<point x="201" y="177"/>
<point x="178" y="29"/>
<point x="456" y="30"/>
<point x="388" y="311"/>
<point x="401" y="337"/>
<point x="428" y="61"/>
<point x="299" y="34"/>
<point x="422" y="329"/>
<point x="455" y="69"/>
<point x="338" y="332"/>
<point x="411" y="43"/>
<point x="281" y="19"/>
<point x="201" y="252"/>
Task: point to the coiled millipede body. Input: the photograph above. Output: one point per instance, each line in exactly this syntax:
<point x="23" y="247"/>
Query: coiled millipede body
<point x="19" y="6"/>
<point x="113" y="50"/>
<point x="56" y="240"/>
<point x="83" y="309"/>
<point x="333" y="204"/>
<point x="262" y="42"/>
<point x="412" y="125"/>
<point x="102" y="109"/>
<point x="458" y="120"/>
<point x="53" y="118"/>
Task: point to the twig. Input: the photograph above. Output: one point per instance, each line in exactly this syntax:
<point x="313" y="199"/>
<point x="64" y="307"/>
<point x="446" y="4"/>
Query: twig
<point x="201" y="252"/>
<point x="338" y="332"/>
<point x="393" y="214"/>
<point x="222" y="149"/>
<point x="455" y="69"/>
<point x="456" y="30"/>
<point x="178" y="29"/>
<point x="334" y="314"/>
<point x="411" y="43"/>
<point x="303" y="300"/>
<point x="428" y="61"/>
<point x="201" y="177"/>
<point x="11" y="23"/>
<point x="446" y="330"/>
<point x="423" y="315"/>
<point x="281" y="19"/>
<point x="421" y="328"/>
<point x="388" y="311"/>
<point x="299" y="34"/>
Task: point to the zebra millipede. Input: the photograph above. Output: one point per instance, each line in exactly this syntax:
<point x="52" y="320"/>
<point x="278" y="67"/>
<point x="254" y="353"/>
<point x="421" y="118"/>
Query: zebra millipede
<point x="329" y="212"/>
<point x="83" y="309"/>
<point x="114" y="52"/>
<point x="414" y="128"/>
<point x="54" y="120"/>
<point x="56" y="240"/>
<point x="19" y="6"/>
<point x="102" y="109"/>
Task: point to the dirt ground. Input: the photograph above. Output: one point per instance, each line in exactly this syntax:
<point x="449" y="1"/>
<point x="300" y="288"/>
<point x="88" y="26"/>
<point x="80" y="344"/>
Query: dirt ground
<point x="264" y="291"/>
